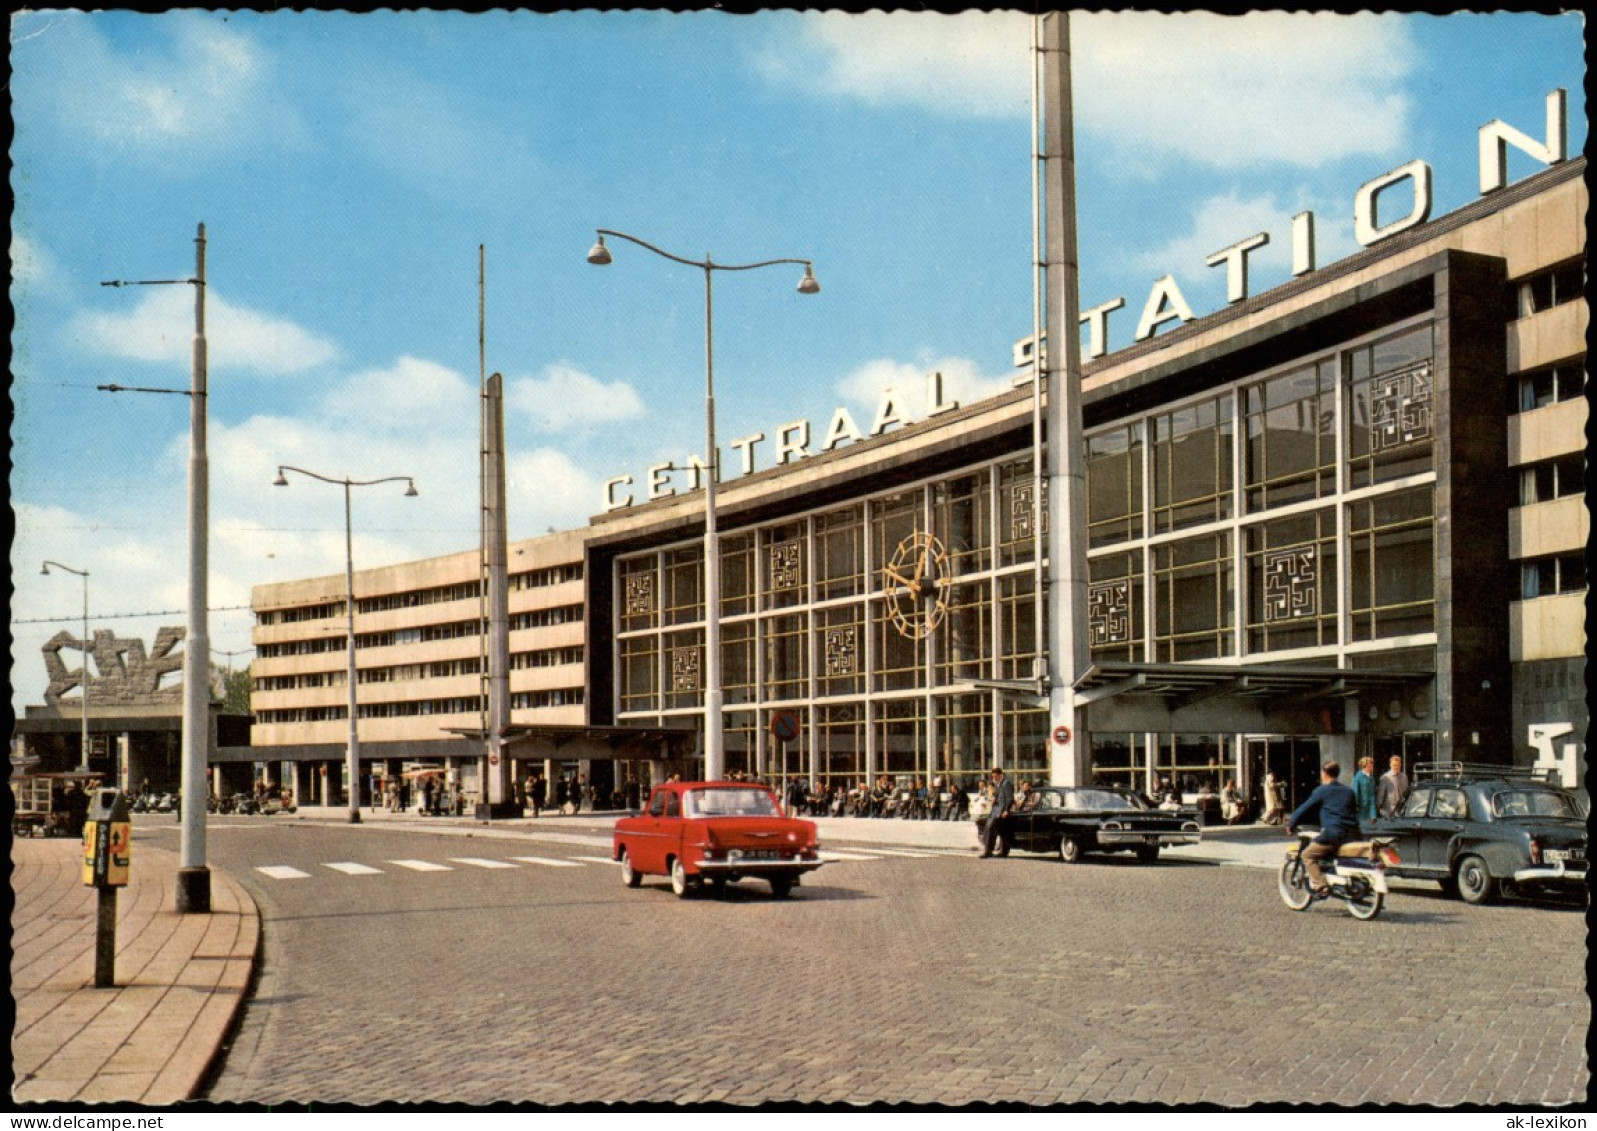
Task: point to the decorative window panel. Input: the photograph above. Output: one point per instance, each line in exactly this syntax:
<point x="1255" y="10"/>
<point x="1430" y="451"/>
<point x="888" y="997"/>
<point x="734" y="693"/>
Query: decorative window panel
<point x="787" y="565"/>
<point x="640" y="594"/>
<point x="842" y="651"/>
<point x="684" y="669"/>
<point x="1109" y="612"/>
<point x="1400" y="408"/>
<point x="1291" y="583"/>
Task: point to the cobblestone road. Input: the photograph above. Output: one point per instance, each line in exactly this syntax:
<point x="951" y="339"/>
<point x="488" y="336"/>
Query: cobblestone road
<point x="943" y="980"/>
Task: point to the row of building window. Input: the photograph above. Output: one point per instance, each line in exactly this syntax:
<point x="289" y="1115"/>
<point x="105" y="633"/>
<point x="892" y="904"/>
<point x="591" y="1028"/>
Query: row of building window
<point x="312" y="647"/>
<point x="399" y="673"/>
<point x="1292" y="599"/>
<point x="552" y="575"/>
<point x="555" y="697"/>
<point x="545" y="618"/>
<point x="547" y="657"/>
<point x="1546" y="289"/>
<point x="413" y="598"/>
<point x="1551" y="384"/>
<point x="1545" y="577"/>
<point x="1552" y="479"/>
<point x="1174" y="470"/>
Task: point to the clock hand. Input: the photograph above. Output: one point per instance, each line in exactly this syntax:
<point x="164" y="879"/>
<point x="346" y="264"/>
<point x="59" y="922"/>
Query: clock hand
<point x="914" y="585"/>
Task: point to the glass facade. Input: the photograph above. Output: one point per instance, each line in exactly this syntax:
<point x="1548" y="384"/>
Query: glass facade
<point x="1286" y="516"/>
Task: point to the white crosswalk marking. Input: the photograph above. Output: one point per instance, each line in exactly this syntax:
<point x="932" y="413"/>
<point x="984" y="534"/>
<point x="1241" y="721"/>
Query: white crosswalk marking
<point x="547" y="862"/>
<point x="283" y="872"/>
<point x="422" y="866"/>
<point x="595" y="859"/>
<point x="829" y="855"/>
<point x="897" y="852"/>
<point x="479" y="862"/>
<point x="355" y="869"/>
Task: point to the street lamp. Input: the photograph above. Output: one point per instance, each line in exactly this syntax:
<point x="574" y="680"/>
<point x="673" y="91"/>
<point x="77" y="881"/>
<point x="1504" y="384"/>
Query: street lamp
<point x="352" y="769"/>
<point x="83" y="758"/>
<point x="714" y="744"/>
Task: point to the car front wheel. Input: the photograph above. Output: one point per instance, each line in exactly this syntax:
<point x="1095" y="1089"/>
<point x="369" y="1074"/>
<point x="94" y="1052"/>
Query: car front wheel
<point x="629" y="875"/>
<point x="1070" y="850"/>
<point x="1475" y="883"/>
<point x="680" y="884"/>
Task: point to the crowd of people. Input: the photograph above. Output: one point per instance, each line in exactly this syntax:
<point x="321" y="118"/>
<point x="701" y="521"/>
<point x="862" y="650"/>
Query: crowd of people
<point x="914" y="799"/>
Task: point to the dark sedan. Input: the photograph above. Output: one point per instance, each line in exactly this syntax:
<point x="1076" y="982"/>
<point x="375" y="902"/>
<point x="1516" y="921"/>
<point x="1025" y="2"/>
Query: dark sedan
<point x="1478" y="836"/>
<point x="1074" y="821"/>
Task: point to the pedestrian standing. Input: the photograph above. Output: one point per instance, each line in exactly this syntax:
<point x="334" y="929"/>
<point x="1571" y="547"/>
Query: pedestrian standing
<point x="1364" y="789"/>
<point x="1393" y="789"/>
<point x="1003" y="801"/>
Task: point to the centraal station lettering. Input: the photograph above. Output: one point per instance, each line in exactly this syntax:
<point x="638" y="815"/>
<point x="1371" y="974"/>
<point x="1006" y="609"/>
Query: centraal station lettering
<point x="1165" y="302"/>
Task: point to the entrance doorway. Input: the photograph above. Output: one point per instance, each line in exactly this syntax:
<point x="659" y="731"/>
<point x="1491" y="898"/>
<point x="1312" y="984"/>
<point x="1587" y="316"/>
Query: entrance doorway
<point x="1294" y="760"/>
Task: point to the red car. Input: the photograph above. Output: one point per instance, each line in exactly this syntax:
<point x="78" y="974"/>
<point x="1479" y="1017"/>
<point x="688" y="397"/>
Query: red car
<point x="717" y="831"/>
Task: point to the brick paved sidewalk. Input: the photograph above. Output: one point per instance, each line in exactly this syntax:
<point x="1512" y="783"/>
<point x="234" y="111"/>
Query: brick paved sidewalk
<point x="179" y="979"/>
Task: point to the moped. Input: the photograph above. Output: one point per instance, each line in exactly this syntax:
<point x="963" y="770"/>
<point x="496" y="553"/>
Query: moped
<point x="1357" y="876"/>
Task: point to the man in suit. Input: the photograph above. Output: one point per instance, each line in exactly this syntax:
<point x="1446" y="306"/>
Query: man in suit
<point x="1392" y="789"/>
<point x="1003" y="802"/>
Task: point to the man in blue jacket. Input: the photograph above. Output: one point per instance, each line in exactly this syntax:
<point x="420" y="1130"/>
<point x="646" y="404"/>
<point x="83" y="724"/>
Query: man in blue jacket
<point x="1336" y="809"/>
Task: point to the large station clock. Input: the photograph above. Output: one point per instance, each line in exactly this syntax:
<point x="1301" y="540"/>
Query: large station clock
<point x="916" y="583"/>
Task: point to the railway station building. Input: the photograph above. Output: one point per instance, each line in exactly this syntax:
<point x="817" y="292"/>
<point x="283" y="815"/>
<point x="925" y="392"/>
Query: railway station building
<point x="1344" y="516"/>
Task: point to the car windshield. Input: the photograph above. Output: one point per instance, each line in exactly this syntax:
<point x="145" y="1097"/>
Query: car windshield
<point x="1101" y="799"/>
<point x="1533" y="803"/>
<point x="730" y="803"/>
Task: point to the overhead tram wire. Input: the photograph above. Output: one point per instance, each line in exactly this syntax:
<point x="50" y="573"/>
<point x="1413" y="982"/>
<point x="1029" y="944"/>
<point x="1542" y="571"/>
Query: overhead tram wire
<point x="130" y="616"/>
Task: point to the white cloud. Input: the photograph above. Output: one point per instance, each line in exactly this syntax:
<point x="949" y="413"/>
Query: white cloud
<point x="160" y="327"/>
<point x="211" y="85"/>
<point x="1222" y="91"/>
<point x="1230" y="91"/>
<point x="962" y="382"/>
<point x="413" y="393"/>
<point x="969" y="65"/>
<point x="546" y="490"/>
<point x="33" y="268"/>
<point x="566" y="397"/>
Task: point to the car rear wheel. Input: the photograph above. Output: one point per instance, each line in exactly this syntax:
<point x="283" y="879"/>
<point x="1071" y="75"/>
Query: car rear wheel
<point x="1148" y="853"/>
<point x="781" y="886"/>
<point x="681" y="885"/>
<point x="1070" y="850"/>
<point x="629" y="875"/>
<point x="1475" y="883"/>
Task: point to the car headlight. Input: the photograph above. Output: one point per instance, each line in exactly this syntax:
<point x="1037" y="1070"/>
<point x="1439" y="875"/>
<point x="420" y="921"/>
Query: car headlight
<point x="734" y="854"/>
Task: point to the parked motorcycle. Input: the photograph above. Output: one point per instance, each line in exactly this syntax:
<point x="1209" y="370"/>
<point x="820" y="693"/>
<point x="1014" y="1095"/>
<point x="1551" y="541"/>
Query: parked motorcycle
<point x="1357" y="876"/>
<point x="162" y="804"/>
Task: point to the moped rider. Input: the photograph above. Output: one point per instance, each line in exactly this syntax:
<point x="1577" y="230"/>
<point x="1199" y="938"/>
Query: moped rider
<point x="1336" y="808"/>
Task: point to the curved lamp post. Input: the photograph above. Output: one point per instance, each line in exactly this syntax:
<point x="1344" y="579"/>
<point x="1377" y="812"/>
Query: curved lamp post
<point x="352" y="768"/>
<point x="714" y="742"/>
<point x="83" y="758"/>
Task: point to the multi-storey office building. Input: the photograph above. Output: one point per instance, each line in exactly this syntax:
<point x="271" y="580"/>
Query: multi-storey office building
<point x="420" y="664"/>
<point x="1343" y="515"/>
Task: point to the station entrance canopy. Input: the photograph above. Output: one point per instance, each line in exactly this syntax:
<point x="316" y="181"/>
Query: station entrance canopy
<point x="1130" y="697"/>
<point x="594" y="743"/>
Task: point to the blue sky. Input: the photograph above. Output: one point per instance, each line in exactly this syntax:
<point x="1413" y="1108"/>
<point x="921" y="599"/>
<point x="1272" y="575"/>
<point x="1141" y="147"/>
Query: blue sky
<point x="348" y="167"/>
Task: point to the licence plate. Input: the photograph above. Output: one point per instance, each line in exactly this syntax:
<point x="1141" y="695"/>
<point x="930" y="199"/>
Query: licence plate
<point x="761" y="854"/>
<point x="1570" y="855"/>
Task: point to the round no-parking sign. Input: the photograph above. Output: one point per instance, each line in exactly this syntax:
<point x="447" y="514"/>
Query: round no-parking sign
<point x="1062" y="735"/>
